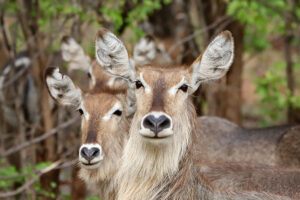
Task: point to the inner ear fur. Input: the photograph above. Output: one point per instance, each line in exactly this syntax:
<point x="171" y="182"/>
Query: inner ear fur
<point x="112" y="55"/>
<point x="215" y="61"/>
<point x="62" y="89"/>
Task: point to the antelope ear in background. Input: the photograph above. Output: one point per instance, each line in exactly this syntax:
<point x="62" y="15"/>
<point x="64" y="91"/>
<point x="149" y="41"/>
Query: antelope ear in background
<point x="144" y="51"/>
<point x="74" y="55"/>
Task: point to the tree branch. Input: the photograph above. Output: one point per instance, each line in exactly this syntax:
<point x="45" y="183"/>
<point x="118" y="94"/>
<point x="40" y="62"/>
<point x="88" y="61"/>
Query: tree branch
<point x="197" y="32"/>
<point x="40" y="138"/>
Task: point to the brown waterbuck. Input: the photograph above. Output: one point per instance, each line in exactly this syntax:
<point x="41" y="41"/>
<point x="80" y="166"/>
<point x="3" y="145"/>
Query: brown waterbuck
<point x="160" y="159"/>
<point x="104" y="129"/>
<point x="224" y="140"/>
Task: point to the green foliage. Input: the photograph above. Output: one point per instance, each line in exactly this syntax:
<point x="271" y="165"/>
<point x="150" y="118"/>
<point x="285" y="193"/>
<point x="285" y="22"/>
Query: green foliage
<point x="9" y="171"/>
<point x="274" y="95"/>
<point x="14" y="176"/>
<point x="10" y="7"/>
<point x="142" y="9"/>
<point x="65" y="196"/>
<point x="91" y="50"/>
<point x="261" y="18"/>
<point x="92" y="198"/>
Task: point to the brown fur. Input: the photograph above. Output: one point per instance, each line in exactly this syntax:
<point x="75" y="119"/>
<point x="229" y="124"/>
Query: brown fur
<point x="103" y="79"/>
<point x="151" y="175"/>
<point x="239" y="177"/>
<point x="158" y="91"/>
<point x="110" y="135"/>
<point x="168" y="168"/>
<point x="221" y="140"/>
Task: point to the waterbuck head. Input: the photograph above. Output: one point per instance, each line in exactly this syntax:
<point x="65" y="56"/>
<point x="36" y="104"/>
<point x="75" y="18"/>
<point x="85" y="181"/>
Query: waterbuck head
<point x="162" y="93"/>
<point x="103" y="123"/>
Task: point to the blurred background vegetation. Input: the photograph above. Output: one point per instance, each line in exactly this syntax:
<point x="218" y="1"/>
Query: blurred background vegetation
<point x="38" y="148"/>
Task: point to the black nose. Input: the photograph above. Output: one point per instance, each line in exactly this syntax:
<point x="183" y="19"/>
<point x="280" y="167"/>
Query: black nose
<point x="156" y="124"/>
<point x="90" y="154"/>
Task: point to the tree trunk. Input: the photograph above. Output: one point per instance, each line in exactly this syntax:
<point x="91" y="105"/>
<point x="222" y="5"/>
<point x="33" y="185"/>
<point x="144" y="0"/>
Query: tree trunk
<point x="293" y="114"/>
<point x="38" y="57"/>
<point x="4" y="42"/>
<point x="224" y="97"/>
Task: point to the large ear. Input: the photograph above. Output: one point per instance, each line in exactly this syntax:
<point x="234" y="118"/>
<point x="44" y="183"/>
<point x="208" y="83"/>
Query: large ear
<point x="215" y="61"/>
<point x="74" y="55"/>
<point x="62" y="88"/>
<point x="144" y="51"/>
<point x="112" y="55"/>
<point x="69" y="48"/>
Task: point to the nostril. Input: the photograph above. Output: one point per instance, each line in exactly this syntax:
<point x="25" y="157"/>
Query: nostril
<point x="165" y="124"/>
<point x="149" y="122"/>
<point x="84" y="152"/>
<point x="94" y="152"/>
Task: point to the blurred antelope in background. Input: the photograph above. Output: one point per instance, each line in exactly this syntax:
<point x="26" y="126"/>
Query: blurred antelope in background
<point x="160" y="159"/>
<point x="104" y="129"/>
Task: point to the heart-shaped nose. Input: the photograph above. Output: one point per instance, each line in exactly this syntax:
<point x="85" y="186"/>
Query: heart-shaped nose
<point x="156" y="124"/>
<point x="90" y="153"/>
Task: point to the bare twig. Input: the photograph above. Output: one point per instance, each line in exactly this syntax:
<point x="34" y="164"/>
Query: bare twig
<point x="31" y="40"/>
<point x="64" y="165"/>
<point x="55" y="165"/>
<point x="40" y="138"/>
<point x="15" y="78"/>
<point x="197" y="32"/>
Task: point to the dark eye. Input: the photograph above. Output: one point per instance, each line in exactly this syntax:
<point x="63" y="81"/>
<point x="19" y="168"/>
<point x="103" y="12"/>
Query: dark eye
<point x="118" y="112"/>
<point x="184" y="87"/>
<point x="90" y="75"/>
<point x="80" y="111"/>
<point x="138" y="84"/>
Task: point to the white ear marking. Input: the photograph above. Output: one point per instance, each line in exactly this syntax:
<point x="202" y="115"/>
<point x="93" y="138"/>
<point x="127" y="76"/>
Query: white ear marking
<point x="215" y="61"/>
<point x="112" y="55"/>
<point x="62" y="89"/>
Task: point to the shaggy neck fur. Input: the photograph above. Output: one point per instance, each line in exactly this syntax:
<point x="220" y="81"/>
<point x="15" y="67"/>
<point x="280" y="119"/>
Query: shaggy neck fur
<point x="169" y="171"/>
<point x="154" y="171"/>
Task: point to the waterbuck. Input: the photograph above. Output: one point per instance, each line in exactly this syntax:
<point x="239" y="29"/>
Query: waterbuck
<point x="224" y="140"/>
<point x="160" y="159"/>
<point x="104" y="129"/>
